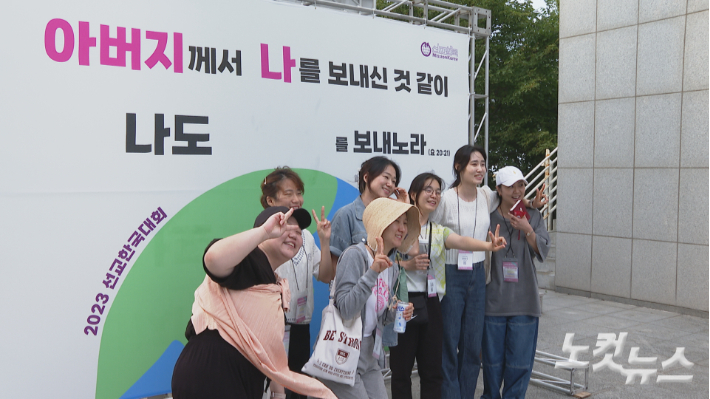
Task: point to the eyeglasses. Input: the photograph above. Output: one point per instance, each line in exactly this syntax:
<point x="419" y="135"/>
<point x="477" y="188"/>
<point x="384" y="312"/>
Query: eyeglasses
<point x="429" y="190"/>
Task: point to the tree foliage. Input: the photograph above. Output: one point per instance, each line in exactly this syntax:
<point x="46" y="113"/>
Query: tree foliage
<point x="523" y="74"/>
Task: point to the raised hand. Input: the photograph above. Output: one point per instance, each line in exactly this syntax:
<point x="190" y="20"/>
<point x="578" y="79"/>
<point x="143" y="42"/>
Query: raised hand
<point x="277" y="224"/>
<point x="540" y="197"/>
<point x="521" y="224"/>
<point x="419" y="262"/>
<point x="401" y="194"/>
<point x="497" y="242"/>
<point x="381" y="262"/>
<point x="322" y="225"/>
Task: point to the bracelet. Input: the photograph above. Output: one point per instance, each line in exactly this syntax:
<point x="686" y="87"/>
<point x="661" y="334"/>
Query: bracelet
<point x="278" y="395"/>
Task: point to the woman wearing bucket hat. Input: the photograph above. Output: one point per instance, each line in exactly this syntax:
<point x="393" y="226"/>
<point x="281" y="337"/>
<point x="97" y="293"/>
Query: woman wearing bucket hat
<point x="426" y="285"/>
<point x="512" y="300"/>
<point x="365" y="282"/>
<point x="465" y="209"/>
<point x="284" y="187"/>
<point x="235" y="334"/>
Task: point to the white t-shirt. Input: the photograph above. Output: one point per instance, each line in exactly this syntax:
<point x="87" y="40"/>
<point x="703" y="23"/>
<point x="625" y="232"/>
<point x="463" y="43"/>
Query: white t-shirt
<point x="473" y="215"/>
<point x="377" y="302"/>
<point x="416" y="280"/>
<point x="298" y="272"/>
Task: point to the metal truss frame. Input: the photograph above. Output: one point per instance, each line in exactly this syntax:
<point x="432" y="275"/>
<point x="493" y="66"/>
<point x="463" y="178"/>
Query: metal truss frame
<point x="472" y="21"/>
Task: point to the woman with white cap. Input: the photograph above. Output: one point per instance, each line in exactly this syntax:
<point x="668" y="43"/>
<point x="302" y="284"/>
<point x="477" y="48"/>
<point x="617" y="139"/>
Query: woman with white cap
<point x="365" y="283"/>
<point x="512" y="300"/>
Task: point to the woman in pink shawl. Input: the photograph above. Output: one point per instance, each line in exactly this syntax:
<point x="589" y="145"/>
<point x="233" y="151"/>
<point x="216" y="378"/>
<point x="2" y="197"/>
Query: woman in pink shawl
<point x="235" y="334"/>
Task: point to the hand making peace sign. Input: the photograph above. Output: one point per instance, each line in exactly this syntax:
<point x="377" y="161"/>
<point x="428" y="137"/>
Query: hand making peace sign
<point x="322" y="225"/>
<point x="381" y="262"/>
<point x="277" y="224"/>
<point x="497" y="242"/>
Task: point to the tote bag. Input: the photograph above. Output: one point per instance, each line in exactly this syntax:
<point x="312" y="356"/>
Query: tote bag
<point x="337" y="350"/>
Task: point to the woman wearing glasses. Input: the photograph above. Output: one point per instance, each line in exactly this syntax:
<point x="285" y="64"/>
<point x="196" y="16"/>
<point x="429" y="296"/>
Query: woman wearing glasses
<point x="425" y="285"/>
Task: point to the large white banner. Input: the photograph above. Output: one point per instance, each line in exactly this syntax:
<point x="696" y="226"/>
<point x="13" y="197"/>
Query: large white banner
<point x="135" y="132"/>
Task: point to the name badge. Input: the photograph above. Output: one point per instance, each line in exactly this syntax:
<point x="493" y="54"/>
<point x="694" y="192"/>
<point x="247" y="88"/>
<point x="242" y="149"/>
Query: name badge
<point x="510" y="271"/>
<point x="378" y="344"/>
<point x="465" y="260"/>
<point x="431" y="284"/>
<point x="301" y="309"/>
<point x="287" y="337"/>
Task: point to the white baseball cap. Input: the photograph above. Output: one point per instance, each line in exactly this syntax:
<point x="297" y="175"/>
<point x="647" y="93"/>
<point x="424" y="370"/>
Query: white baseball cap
<point x="508" y="175"/>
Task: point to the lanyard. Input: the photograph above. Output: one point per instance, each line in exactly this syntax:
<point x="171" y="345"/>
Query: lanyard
<point x="510" y="234"/>
<point x="295" y="275"/>
<point x="458" y="213"/>
<point x="428" y="255"/>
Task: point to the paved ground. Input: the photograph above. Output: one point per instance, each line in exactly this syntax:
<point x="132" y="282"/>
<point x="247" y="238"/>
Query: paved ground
<point x="657" y="333"/>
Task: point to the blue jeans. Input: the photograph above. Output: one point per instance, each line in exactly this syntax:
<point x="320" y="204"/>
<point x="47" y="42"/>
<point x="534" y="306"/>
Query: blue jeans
<point x="509" y="345"/>
<point x="462" y="309"/>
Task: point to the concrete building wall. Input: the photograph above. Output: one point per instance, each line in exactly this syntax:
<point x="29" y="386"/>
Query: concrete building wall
<point x="633" y="151"/>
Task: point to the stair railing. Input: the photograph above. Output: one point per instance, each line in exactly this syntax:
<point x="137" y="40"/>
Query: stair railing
<point x="545" y="173"/>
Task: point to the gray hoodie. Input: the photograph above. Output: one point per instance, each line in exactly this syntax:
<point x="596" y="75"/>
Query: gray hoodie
<point x="354" y="282"/>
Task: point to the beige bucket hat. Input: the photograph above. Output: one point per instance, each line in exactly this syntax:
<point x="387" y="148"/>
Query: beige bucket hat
<point x="381" y="212"/>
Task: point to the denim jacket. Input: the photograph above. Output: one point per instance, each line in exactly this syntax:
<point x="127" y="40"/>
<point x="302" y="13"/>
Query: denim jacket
<point x="347" y="227"/>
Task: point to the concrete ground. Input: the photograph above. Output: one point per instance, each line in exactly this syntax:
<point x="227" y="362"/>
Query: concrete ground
<point x="656" y="333"/>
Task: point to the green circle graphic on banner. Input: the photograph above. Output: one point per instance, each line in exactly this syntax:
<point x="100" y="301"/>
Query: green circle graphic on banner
<point x="144" y="330"/>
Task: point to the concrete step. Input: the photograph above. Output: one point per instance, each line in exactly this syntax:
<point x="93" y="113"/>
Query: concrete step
<point x="546" y="280"/>
<point x="546" y="269"/>
<point x="552" y="253"/>
<point x="549" y="265"/>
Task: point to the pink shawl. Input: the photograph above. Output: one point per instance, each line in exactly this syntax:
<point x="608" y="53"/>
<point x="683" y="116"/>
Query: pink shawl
<point x="252" y="321"/>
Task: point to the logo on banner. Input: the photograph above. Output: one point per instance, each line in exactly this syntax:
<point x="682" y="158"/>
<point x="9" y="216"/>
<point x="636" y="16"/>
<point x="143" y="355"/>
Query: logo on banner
<point x="426" y="49"/>
<point x="443" y="52"/>
<point x="342" y="356"/>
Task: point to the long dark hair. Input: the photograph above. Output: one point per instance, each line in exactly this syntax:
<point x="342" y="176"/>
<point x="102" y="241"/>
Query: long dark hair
<point x="462" y="158"/>
<point x="374" y="167"/>
<point x="271" y="184"/>
<point x="418" y="185"/>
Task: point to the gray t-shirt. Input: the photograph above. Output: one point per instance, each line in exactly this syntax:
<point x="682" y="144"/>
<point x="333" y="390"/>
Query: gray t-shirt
<point x="505" y="298"/>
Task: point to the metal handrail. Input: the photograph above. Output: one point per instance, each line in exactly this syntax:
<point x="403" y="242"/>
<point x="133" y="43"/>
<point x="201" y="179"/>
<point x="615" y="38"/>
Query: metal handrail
<point x="545" y="172"/>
